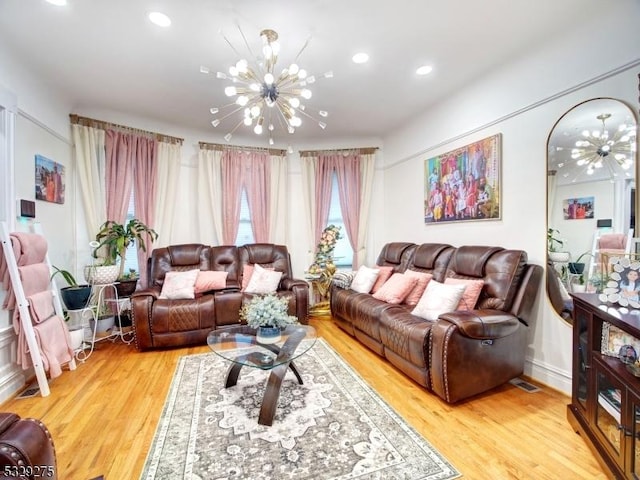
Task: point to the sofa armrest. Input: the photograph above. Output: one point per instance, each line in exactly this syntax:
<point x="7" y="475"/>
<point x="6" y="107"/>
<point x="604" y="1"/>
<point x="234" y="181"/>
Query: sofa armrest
<point x="141" y="308"/>
<point x="289" y="283"/>
<point x="473" y="351"/>
<point x="482" y="324"/>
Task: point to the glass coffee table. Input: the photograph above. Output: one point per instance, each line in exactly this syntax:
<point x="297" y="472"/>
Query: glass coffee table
<point x="238" y="345"/>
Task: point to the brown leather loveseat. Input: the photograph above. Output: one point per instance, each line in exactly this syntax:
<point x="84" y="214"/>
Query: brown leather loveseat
<point x="170" y="323"/>
<point x="464" y="352"/>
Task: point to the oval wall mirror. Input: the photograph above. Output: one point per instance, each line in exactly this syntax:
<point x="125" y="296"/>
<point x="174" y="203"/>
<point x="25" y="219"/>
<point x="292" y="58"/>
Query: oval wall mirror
<point x="591" y="174"/>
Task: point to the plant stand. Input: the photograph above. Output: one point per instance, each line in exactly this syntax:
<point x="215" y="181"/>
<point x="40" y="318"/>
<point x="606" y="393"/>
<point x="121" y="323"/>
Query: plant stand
<point x="102" y="295"/>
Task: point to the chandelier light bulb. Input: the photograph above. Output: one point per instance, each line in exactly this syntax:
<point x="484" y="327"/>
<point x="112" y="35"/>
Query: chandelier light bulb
<point x="233" y="71"/>
<point x="271" y="127"/>
<point x="257" y="129"/>
<point x="204" y="69"/>
<point x="293" y="69"/>
<point x="302" y="73"/>
<point x="295" y="121"/>
<point x="290" y="129"/>
<point x="242" y="66"/>
<point x="305" y="93"/>
<point x="254" y="87"/>
<point x="294" y="102"/>
<point x="214" y="110"/>
<point x="221" y="75"/>
<point x="255" y="111"/>
<point x="227" y="137"/>
<point x="215" y="122"/>
<point x="270" y="141"/>
<point x="328" y="74"/>
<point x="322" y="125"/>
<point x="323" y="113"/>
<point x="311" y="79"/>
<point x="268" y="78"/>
<point x="624" y="138"/>
<point x="248" y="121"/>
<point x="230" y="91"/>
<point x="267" y="51"/>
<point x="242" y="100"/>
<point x="586" y="133"/>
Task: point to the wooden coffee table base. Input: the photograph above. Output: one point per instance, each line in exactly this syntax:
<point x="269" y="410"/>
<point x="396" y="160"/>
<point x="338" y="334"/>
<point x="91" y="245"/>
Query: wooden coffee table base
<point x="277" y="374"/>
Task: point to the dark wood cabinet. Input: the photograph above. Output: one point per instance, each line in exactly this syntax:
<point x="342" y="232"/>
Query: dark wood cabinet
<point x="605" y="400"/>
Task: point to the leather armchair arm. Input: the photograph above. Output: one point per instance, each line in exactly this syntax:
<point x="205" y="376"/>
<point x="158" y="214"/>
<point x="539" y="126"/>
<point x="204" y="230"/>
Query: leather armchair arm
<point x="141" y="308"/>
<point x="482" y="324"/>
<point x="289" y="283"/>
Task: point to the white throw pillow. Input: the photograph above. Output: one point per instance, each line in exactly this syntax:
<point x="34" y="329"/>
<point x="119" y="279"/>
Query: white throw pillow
<point x="263" y="280"/>
<point x="364" y="279"/>
<point x="437" y="299"/>
<point x="179" y="285"/>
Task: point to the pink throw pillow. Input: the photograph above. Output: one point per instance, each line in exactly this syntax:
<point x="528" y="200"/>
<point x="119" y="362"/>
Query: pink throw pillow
<point x="210" y="280"/>
<point x="416" y="293"/>
<point x="471" y="292"/>
<point x="179" y="285"/>
<point x="247" y="271"/>
<point x="396" y="288"/>
<point x="263" y="280"/>
<point x="383" y="276"/>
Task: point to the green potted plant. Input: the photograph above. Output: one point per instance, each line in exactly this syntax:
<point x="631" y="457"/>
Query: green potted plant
<point x="127" y="283"/>
<point x="554" y="244"/>
<point x="577" y="267"/>
<point x="113" y="239"/>
<point x="74" y="296"/>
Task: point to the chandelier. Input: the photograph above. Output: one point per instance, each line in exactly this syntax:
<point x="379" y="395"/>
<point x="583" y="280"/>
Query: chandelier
<point x="267" y="99"/>
<point x="599" y="148"/>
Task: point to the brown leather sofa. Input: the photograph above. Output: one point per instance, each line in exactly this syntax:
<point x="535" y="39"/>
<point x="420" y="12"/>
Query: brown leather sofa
<point x="26" y="449"/>
<point x="171" y="323"/>
<point x="465" y="352"/>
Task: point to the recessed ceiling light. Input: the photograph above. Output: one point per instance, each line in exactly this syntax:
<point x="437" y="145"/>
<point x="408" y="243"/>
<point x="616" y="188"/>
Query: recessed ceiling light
<point x="424" y="70"/>
<point x="360" y="58"/>
<point x="58" y="3"/>
<point x="160" y="19"/>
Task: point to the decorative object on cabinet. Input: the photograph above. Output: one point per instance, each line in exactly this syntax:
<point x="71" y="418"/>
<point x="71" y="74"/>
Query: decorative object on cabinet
<point x="464" y="184"/>
<point x="623" y="286"/>
<point x="605" y="398"/>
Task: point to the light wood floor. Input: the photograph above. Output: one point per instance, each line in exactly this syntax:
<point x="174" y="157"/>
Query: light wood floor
<point x="103" y="417"/>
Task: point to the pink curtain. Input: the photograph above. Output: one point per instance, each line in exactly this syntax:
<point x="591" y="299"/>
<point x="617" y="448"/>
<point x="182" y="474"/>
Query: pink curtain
<point x="256" y="180"/>
<point x="120" y="149"/>
<point x="145" y="168"/>
<point x="231" y="166"/>
<point x="349" y="187"/>
<point x="324" y="169"/>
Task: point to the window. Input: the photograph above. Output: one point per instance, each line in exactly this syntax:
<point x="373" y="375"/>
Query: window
<point x="131" y="259"/>
<point x="343" y="253"/>
<point x="245" y="231"/>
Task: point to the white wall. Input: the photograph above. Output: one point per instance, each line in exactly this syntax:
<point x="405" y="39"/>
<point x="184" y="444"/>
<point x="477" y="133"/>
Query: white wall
<point x="522" y="101"/>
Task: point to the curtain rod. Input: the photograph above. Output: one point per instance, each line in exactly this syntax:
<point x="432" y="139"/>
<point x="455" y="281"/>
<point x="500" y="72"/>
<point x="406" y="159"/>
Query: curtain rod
<point x="91" y="122"/>
<point x="222" y="148"/>
<point x="361" y="151"/>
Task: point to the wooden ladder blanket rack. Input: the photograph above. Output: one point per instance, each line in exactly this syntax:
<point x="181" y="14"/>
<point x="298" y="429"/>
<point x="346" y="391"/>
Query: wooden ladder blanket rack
<point x="38" y="318"/>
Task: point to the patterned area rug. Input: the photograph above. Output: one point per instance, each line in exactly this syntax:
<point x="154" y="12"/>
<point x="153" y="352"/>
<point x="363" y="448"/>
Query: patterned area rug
<point x="334" y="426"/>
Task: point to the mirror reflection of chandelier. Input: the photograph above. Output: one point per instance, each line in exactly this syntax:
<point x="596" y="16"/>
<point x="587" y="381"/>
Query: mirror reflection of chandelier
<point x="267" y="99"/>
<point x="600" y="147"/>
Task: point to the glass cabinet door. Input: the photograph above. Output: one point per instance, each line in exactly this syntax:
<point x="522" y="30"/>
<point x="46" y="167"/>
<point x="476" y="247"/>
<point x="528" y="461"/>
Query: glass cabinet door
<point x="580" y="368"/>
<point x="633" y="467"/>
<point x="609" y="403"/>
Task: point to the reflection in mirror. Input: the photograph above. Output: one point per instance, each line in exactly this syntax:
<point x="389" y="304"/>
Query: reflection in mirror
<point x="591" y="173"/>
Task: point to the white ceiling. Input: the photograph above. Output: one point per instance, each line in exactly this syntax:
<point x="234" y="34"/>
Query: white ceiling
<point x="105" y="54"/>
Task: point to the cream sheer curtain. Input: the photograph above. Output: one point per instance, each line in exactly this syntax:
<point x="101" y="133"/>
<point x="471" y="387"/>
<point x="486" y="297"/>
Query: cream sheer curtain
<point x="89" y="145"/>
<point x="367" y="170"/>
<point x="210" y="195"/>
<point x="168" y="173"/>
<point x="278" y="207"/>
<point x="307" y="164"/>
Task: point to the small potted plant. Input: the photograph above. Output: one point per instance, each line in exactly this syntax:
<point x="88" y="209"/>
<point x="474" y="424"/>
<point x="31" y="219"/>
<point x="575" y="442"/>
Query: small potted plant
<point x="554" y="243"/>
<point x="127" y="283"/>
<point x="74" y="296"/>
<point x="577" y="267"/>
<point x="113" y="239"/>
<point x="578" y="286"/>
<point x="268" y="314"/>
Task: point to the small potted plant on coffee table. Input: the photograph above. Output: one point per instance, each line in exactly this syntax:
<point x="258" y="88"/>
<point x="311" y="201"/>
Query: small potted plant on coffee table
<point x="268" y="314"/>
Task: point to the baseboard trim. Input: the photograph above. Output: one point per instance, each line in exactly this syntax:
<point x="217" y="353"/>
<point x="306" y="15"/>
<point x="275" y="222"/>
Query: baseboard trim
<point x="548" y="375"/>
<point x="10" y="385"/>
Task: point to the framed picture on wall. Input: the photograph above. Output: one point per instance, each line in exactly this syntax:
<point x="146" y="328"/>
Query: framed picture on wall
<point x="50" y="181"/>
<point x="464" y="184"/>
<point x="578" y="208"/>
